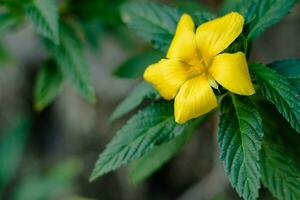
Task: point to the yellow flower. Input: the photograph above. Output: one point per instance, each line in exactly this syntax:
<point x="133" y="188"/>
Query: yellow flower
<point x="195" y="63"/>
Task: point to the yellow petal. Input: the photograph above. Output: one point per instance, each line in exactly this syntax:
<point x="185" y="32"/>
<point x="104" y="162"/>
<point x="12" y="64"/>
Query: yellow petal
<point x="215" y="36"/>
<point x="231" y="71"/>
<point x="194" y="99"/>
<point x="183" y="45"/>
<point x="167" y="76"/>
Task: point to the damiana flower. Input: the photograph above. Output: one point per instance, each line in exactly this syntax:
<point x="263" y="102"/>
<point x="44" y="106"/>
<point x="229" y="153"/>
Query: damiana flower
<point x="195" y="63"/>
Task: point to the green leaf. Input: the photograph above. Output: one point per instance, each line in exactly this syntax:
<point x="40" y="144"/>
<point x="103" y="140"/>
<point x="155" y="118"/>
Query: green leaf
<point x="48" y="85"/>
<point x="247" y="8"/>
<point x="279" y="170"/>
<point x="149" y="163"/>
<point x="278" y="90"/>
<point x="44" y="16"/>
<point x="135" y="98"/>
<point x="12" y="144"/>
<point x="240" y="138"/>
<point x="69" y="55"/>
<point x="148" y="128"/>
<point x="268" y="13"/>
<point x="290" y="69"/>
<point x="135" y="66"/>
<point x="155" y="23"/>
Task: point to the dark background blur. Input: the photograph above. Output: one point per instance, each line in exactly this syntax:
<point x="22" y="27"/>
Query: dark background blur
<point x="63" y="142"/>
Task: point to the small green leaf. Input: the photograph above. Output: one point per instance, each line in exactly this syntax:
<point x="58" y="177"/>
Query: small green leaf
<point x="149" y="163"/>
<point x="155" y="23"/>
<point x="44" y="16"/>
<point x="69" y="55"/>
<point x="148" y="128"/>
<point x="12" y="144"/>
<point x="240" y="138"/>
<point x="268" y="13"/>
<point x="278" y="90"/>
<point x="135" y="98"/>
<point x="48" y="85"/>
<point x="135" y="66"/>
<point x="290" y="69"/>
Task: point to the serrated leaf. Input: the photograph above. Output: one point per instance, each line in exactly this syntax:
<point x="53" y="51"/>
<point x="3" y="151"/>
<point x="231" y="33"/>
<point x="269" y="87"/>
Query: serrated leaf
<point x="12" y="144"/>
<point x="290" y="69"/>
<point x="240" y="139"/>
<point x="148" y="128"/>
<point x="69" y="55"/>
<point x="135" y="98"/>
<point x="135" y="66"/>
<point x="48" y="85"/>
<point x="44" y="16"/>
<point x="155" y="23"/>
<point x="247" y="8"/>
<point x="278" y="90"/>
<point x="145" y="166"/>
<point x="268" y="13"/>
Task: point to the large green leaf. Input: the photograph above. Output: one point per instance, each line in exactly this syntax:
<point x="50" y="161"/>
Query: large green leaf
<point x="289" y="69"/>
<point x="155" y="23"/>
<point x="135" y="98"/>
<point x="148" y="128"/>
<point x="145" y="166"/>
<point x="280" y="173"/>
<point x="268" y="13"/>
<point x="48" y="84"/>
<point x="12" y="144"/>
<point x="69" y="55"/>
<point x="44" y="16"/>
<point x="240" y="138"/>
<point x="135" y="66"/>
<point x="278" y="90"/>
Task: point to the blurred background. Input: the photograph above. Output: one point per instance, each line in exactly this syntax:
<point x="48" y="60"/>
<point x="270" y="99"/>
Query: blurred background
<point x="50" y="154"/>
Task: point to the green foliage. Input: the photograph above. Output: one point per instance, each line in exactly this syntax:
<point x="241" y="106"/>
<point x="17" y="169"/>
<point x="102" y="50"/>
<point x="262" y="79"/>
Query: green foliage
<point x="155" y="23"/>
<point x="279" y="170"/>
<point x="247" y="8"/>
<point x="240" y="138"/>
<point x="290" y="69"/>
<point x="268" y="13"/>
<point x="70" y="58"/>
<point x="278" y="90"/>
<point x="145" y="166"/>
<point x="151" y="126"/>
<point x="134" y="67"/>
<point x="50" y="185"/>
<point x="44" y="16"/>
<point x="12" y="146"/>
<point x="135" y="98"/>
<point x="48" y="84"/>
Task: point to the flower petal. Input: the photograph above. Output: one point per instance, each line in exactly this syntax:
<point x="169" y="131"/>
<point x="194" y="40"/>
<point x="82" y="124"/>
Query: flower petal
<point x="194" y="99"/>
<point x="231" y="71"/>
<point x="183" y="45"/>
<point x="215" y="36"/>
<point x="167" y="76"/>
